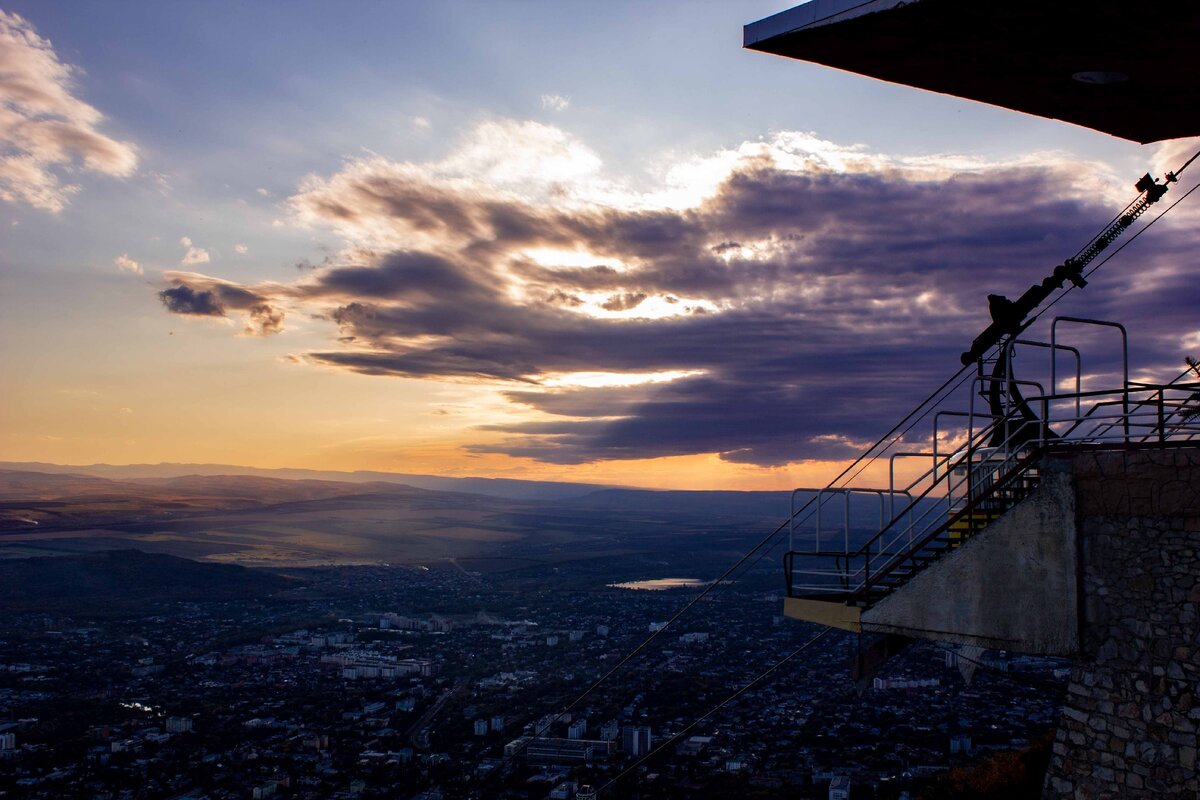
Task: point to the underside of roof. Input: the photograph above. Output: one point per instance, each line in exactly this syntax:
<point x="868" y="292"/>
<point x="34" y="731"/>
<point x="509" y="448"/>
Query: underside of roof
<point x="1127" y="69"/>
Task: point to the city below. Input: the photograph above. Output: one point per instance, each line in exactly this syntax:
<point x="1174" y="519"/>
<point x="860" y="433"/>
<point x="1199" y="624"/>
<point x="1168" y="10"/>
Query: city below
<point x="437" y="682"/>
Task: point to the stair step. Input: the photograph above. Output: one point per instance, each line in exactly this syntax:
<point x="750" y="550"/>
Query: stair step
<point x="976" y="517"/>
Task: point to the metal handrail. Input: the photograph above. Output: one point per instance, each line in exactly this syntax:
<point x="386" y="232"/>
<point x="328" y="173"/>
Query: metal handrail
<point x="1100" y="322"/>
<point x="864" y="548"/>
<point x="965" y="512"/>
<point x="898" y="558"/>
<point x="1151" y="415"/>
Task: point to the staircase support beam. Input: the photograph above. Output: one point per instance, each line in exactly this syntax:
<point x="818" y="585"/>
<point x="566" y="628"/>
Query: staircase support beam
<point x="833" y="613"/>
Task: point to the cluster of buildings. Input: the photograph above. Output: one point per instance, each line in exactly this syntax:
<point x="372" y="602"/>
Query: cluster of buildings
<point x="393" y="682"/>
<point x="357" y="664"/>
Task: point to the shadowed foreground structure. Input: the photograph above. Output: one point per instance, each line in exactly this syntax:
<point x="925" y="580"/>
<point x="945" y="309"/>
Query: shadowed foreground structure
<point x="1129" y="722"/>
<point x="1132" y="519"/>
<point x="1099" y="564"/>
<point x="1056" y="531"/>
<point x="1010" y="775"/>
<point x="1116" y="67"/>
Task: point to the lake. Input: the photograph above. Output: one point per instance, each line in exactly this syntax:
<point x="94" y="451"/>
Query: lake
<point x="659" y="584"/>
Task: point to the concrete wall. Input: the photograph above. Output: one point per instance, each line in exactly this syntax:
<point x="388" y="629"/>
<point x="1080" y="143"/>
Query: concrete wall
<point x="1129" y="725"/>
<point x="1011" y="587"/>
<point x="1101" y="563"/>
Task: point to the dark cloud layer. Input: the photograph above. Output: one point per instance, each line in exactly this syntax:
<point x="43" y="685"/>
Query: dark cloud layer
<point x="803" y="308"/>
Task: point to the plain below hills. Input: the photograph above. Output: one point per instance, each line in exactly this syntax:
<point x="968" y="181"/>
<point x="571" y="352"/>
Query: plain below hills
<point x="127" y="578"/>
<point x="250" y="520"/>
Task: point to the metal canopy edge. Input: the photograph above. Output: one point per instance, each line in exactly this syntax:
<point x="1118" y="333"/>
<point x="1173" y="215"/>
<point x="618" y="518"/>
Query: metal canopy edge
<point x="1128" y="70"/>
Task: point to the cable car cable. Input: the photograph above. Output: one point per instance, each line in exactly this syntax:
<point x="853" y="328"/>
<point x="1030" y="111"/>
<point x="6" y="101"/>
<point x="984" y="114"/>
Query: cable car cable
<point x="863" y="461"/>
<point x="738" y="693"/>
<point x="866" y="459"/>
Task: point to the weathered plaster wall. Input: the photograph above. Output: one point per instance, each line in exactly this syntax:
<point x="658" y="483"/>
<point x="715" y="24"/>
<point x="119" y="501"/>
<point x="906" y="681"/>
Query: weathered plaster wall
<point x="1129" y="725"/>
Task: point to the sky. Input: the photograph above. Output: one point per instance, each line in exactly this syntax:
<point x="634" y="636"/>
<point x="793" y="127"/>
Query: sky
<point x="555" y="241"/>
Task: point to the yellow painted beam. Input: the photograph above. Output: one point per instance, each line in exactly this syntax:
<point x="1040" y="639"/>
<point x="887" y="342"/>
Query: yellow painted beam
<point x="833" y="613"/>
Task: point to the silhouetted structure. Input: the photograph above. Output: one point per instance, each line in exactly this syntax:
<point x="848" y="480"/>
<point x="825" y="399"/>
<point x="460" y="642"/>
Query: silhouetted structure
<point x="1050" y="521"/>
<point x="1126" y="69"/>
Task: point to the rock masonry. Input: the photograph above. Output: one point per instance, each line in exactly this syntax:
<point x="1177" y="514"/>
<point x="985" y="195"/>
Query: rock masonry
<point x="1132" y="709"/>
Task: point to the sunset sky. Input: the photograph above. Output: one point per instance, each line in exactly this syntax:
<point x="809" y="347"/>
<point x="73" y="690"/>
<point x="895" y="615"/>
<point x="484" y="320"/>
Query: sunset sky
<point x="565" y="241"/>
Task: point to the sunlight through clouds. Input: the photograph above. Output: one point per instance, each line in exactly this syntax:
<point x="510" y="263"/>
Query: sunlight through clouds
<point x="598" y="380"/>
<point x="703" y="315"/>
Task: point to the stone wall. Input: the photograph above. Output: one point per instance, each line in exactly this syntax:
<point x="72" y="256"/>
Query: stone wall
<point x="1129" y="725"/>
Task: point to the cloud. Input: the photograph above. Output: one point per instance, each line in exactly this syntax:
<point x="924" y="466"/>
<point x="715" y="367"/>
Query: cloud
<point x="264" y="319"/>
<point x="44" y="128"/>
<point x="555" y="102"/>
<point x="518" y="154"/>
<point x="162" y="182"/>
<point x="201" y="296"/>
<point x="623" y="301"/>
<point x="127" y="264"/>
<point x="804" y="295"/>
<point x="183" y="299"/>
<point x="1173" y="154"/>
<point x="241" y="249"/>
<point x="194" y="255"/>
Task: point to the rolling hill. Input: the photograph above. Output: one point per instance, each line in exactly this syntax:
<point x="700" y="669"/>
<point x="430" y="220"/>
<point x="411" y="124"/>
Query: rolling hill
<point x="271" y="521"/>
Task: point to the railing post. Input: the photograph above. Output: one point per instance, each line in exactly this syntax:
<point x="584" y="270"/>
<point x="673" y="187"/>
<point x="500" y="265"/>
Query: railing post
<point x="1162" y="422"/>
<point x="1124" y="358"/>
<point x="1125" y="377"/>
<point x="846" y="527"/>
<point x="1125" y="404"/>
<point x="792" y="522"/>
<point x="882" y="521"/>
<point x="1054" y="367"/>
<point x="820" y="502"/>
<point x="970" y="493"/>
<point x="1044" y="433"/>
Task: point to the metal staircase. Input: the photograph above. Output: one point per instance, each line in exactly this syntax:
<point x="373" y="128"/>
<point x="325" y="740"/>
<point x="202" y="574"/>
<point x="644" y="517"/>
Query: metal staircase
<point x="993" y="463"/>
<point x="959" y="526"/>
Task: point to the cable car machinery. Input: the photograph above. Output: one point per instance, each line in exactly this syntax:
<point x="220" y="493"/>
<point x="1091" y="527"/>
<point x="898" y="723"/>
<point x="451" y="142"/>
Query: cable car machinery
<point x="995" y="464"/>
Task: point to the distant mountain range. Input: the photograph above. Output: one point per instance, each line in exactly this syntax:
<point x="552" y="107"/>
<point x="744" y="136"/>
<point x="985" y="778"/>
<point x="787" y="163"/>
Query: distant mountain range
<point x="65" y="501"/>
<point x="492" y="487"/>
<point x="267" y="520"/>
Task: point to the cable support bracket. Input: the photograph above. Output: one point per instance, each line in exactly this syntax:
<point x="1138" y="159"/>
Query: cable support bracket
<point x="1008" y="316"/>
